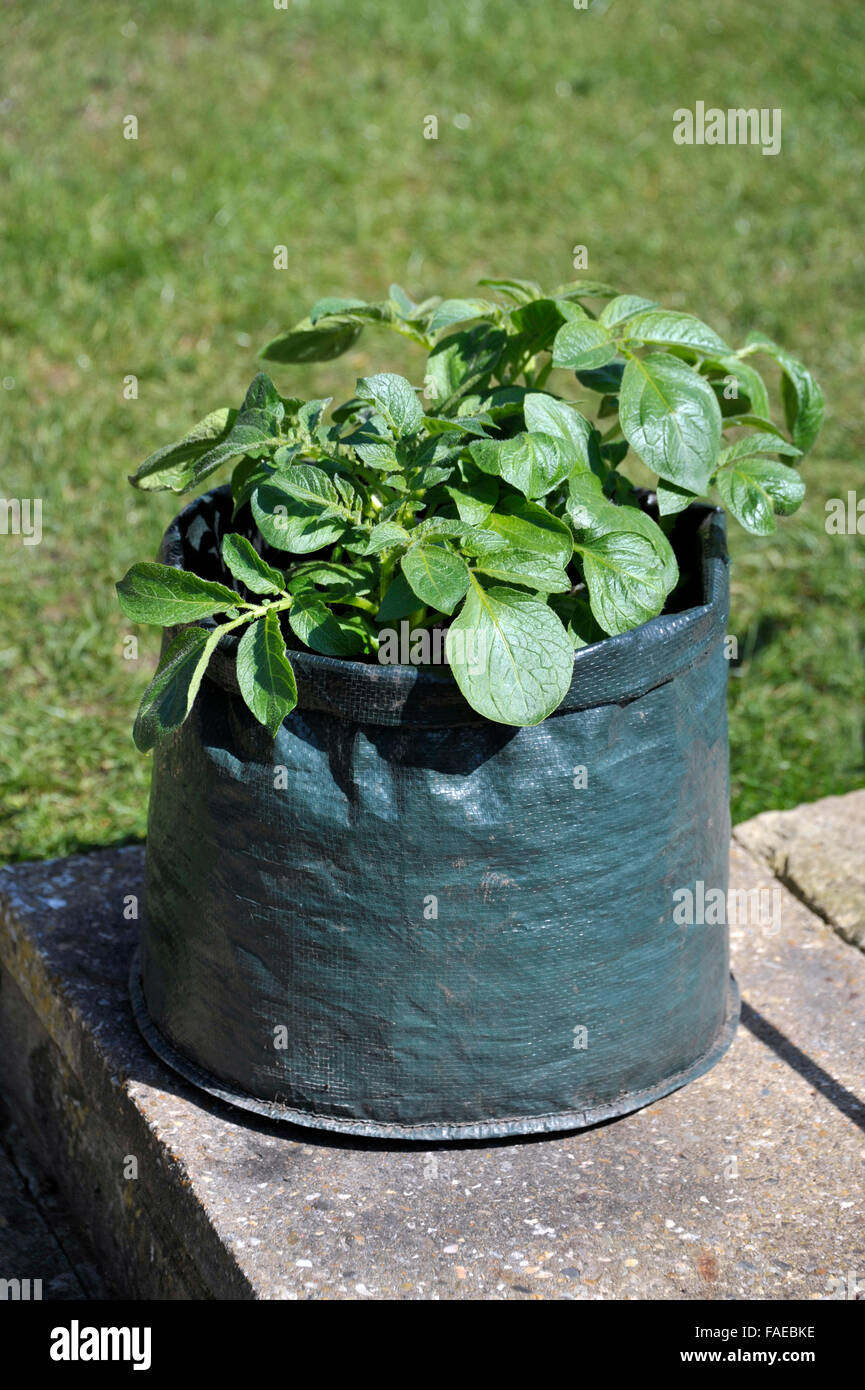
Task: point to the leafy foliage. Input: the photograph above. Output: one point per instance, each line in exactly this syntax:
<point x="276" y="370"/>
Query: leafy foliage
<point x="486" y="504"/>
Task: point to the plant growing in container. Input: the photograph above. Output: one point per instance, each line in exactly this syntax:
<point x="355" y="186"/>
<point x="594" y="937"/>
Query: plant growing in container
<point x="428" y="572"/>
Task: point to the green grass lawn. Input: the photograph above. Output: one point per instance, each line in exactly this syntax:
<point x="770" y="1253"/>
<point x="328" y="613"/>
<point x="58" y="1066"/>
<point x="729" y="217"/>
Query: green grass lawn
<point x="304" y="127"/>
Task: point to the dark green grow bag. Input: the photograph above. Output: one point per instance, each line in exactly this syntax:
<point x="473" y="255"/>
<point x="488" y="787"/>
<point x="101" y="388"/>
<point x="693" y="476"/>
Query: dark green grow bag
<point x="404" y="920"/>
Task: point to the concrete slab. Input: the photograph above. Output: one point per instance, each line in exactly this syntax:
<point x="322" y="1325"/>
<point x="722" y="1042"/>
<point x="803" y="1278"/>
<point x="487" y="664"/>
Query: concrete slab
<point x="746" y="1184"/>
<point x="818" y="851"/>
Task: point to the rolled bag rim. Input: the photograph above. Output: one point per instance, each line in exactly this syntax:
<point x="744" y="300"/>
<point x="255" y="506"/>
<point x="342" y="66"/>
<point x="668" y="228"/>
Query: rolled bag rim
<point x="431" y="1131"/>
<point x="614" y="670"/>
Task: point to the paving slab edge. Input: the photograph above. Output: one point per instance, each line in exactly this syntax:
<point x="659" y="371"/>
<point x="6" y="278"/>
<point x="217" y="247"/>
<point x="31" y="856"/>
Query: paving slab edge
<point x="766" y="838"/>
<point x="213" y="1266"/>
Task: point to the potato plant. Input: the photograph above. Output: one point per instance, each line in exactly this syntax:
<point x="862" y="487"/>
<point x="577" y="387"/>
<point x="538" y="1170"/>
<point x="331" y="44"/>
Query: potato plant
<point x="485" y="500"/>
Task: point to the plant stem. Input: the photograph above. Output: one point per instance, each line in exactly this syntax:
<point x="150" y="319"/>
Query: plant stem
<point x="351" y="602"/>
<point x="258" y="610"/>
<point x="541" y="379"/>
<point x="387" y="569"/>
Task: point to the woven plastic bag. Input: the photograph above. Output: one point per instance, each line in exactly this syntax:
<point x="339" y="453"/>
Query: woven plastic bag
<point x="402" y="919"/>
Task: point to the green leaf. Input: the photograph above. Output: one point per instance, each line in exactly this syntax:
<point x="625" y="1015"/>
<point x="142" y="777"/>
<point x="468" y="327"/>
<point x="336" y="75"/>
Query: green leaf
<point x="359" y="628"/>
<point x="628" y="563"/>
<point x="587" y="503"/>
<point x="437" y="575"/>
<point x="622" y="308"/>
<point x="576" y="613"/>
<point x="241" y="442"/>
<point x="325" y="308"/>
<point x="264" y="672"/>
<point x="475" y="495"/>
<point x="462" y="360"/>
<point x="358" y="579"/>
<point x="681" y="330"/>
<point x="758" y="422"/>
<point x="525" y="567"/>
<point x="309" y="418"/>
<point x="478" y="542"/>
<point x="749" y="380"/>
<point x="526" y="526"/>
<point x="622" y="575"/>
<point x="427" y="478"/>
<point x="440" y="448"/>
<point x="532" y="463"/>
<point x="246" y="564"/>
<point x="167" y="597"/>
<point x="247" y="475"/>
<point x="474" y="540"/>
<point x="546" y="415"/>
<point x="382" y="312"/>
<point x="300" y="524"/>
<point x="670" y="416"/>
<point x="538" y="323"/>
<point x="306" y="483"/>
<point x="395" y="399"/>
<point x="404" y="304"/>
<point x="171" y="694"/>
<point x="255" y="432"/>
<point x="283" y="459"/>
<point x="466" y="424"/>
<point x="754" y="489"/>
<point x="385" y="536"/>
<point x="614" y="452"/>
<point x="606" y="379"/>
<point x="501" y="402"/>
<point x="171" y="468"/>
<point x="350" y="499"/>
<point x="520" y="291"/>
<point x="348" y="411"/>
<point x="574" y="312"/>
<point x="452" y="311"/>
<point x="321" y="630"/>
<point x="262" y="403"/>
<point x="379" y="454"/>
<point x="750" y="445"/>
<point x="584" y="289"/>
<point x="437" y="527"/>
<point x="803" y="399"/>
<point x="583" y="345"/>
<point x="510" y="655"/>
<point x="400" y="601"/>
<point x="672" y="499"/>
<point x="312" y="343"/>
<point x="398" y="505"/>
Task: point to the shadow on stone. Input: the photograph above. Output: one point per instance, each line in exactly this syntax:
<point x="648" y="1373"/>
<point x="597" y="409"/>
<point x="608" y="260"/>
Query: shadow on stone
<point x="844" y="1100"/>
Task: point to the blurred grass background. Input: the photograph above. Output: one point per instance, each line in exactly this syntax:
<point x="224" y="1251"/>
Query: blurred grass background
<point x="303" y="126"/>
